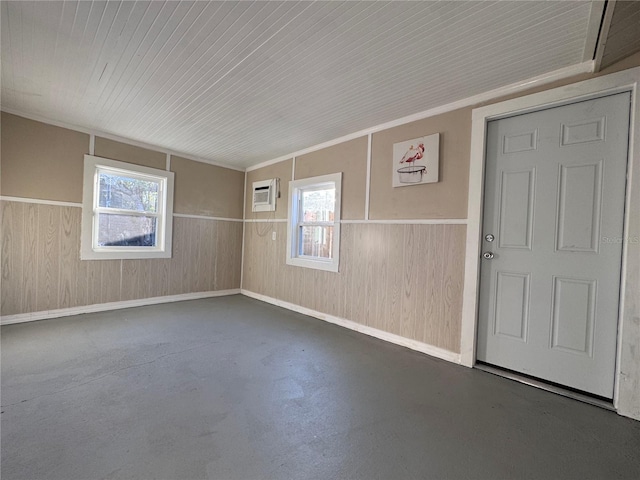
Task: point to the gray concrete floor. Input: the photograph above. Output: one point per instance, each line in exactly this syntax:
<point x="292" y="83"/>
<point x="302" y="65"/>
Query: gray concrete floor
<point x="233" y="388"/>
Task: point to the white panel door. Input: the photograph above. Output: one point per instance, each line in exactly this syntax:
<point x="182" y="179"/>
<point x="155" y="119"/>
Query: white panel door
<point x="554" y="204"/>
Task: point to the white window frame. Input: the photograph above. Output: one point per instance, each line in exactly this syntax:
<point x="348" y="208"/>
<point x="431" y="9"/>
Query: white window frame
<point x="294" y="222"/>
<point x="89" y="250"/>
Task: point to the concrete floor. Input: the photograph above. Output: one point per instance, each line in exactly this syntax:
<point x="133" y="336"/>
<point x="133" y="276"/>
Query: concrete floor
<point x="232" y="388"/>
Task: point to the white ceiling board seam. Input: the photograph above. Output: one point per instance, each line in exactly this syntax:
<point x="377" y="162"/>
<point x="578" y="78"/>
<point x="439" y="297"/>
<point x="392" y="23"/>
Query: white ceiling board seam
<point x="102" y="41"/>
<point x="236" y="65"/>
<point x="169" y="99"/>
<point x="253" y="52"/>
<point x="150" y="64"/>
<point x="127" y="95"/>
<point x="585" y="67"/>
<point x="241" y="93"/>
<point x="126" y="48"/>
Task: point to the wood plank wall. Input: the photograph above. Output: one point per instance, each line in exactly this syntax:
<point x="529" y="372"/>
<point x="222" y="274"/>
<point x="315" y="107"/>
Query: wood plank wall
<point x="403" y="279"/>
<point x="41" y="267"/>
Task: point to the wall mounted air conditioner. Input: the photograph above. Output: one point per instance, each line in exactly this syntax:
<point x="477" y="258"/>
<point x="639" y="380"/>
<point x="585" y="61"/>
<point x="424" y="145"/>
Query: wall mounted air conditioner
<point x="264" y="195"/>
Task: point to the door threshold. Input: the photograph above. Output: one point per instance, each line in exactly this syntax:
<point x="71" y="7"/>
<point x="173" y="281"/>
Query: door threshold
<point x="533" y="382"/>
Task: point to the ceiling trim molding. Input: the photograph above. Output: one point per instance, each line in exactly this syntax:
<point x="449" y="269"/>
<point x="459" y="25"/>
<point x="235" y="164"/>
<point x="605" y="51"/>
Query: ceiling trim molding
<point x="593" y="30"/>
<point x="562" y="73"/>
<point x="603" y="34"/>
<point x="117" y="138"/>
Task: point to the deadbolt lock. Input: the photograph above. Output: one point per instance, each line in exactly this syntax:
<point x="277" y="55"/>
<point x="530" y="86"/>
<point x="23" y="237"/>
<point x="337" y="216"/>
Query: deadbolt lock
<point x="489" y="238"/>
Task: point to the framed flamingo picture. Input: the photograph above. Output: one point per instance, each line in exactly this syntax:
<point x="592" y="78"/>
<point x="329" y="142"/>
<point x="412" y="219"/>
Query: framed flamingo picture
<point x="416" y="161"/>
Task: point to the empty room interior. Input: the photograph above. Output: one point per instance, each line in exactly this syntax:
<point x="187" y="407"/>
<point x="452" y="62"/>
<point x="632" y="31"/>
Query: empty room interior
<point x="320" y="240"/>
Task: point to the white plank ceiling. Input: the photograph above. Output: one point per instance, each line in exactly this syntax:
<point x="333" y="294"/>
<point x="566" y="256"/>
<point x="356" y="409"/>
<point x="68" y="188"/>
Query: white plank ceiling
<point x="244" y="82"/>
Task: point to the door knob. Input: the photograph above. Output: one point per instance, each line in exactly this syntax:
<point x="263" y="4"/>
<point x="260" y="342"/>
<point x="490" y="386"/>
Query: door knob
<point x="487" y="255"/>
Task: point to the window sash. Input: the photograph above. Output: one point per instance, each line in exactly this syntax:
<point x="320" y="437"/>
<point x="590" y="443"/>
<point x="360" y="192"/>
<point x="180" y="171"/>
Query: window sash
<point x="297" y="225"/>
<point x="161" y="182"/>
<point x="300" y="224"/>
<point x="301" y="245"/>
<point x="159" y="212"/>
<point x="123" y="211"/>
<point x="316" y="224"/>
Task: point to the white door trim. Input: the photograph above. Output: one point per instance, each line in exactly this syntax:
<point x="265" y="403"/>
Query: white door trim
<point x="617" y="82"/>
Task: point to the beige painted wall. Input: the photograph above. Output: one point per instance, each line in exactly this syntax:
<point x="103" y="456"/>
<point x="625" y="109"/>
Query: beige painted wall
<point x="203" y="189"/>
<point x="445" y="199"/>
<point x="350" y="158"/>
<point x="281" y="170"/>
<point x="41" y="161"/>
<point x="123" y="152"/>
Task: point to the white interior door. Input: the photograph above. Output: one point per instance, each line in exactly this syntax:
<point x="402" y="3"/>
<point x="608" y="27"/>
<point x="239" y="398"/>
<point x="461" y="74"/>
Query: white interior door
<point x="554" y="204"/>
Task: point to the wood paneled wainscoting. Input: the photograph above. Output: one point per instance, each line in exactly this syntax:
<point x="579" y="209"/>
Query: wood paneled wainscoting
<point x="42" y="270"/>
<point x="403" y="279"/>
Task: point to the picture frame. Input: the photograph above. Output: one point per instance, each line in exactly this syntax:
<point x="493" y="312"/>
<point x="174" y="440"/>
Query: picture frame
<point x="416" y="161"/>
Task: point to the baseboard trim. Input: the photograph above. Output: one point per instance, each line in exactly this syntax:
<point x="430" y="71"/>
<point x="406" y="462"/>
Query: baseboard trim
<point x="373" y="332"/>
<point x="102" y="307"/>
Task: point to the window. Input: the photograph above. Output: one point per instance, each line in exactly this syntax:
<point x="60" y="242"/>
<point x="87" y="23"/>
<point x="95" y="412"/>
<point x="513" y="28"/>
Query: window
<point x="313" y="236"/>
<point x="126" y="211"/>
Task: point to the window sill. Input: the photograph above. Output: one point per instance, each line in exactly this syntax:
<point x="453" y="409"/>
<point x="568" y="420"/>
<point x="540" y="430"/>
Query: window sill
<point x="313" y="264"/>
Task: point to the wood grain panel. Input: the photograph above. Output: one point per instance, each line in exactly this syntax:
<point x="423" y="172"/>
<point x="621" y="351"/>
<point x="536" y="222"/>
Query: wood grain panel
<point x="409" y="288"/>
<point x="228" y="253"/>
<point x="93" y="278"/>
<point x="208" y="238"/>
<point x="393" y="286"/>
<point x="454" y="242"/>
<point x="12" y="225"/>
<point x="403" y="279"/>
<point x="430" y="309"/>
<point x="42" y="270"/>
<point x="30" y="258"/>
<point x="198" y="250"/>
<point x="420" y="326"/>
<point x="48" y="257"/>
<point x="178" y="258"/>
<point x="67" y="288"/>
<point x="433" y="295"/>
<point x="110" y="277"/>
<point x="248" y="270"/>
<point x="159" y="269"/>
<point x="135" y="280"/>
<point x="345" y="268"/>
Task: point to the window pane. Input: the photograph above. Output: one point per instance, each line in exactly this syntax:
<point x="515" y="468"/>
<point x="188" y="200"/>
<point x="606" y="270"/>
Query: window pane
<point x="126" y="231"/>
<point x="316" y="241"/>
<point x="119" y="191"/>
<point x="318" y="205"/>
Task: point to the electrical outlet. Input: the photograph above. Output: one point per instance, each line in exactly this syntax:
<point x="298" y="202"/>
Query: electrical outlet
<point x="273" y="235"/>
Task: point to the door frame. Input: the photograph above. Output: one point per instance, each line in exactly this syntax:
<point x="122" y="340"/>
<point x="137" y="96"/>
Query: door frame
<point x="625" y="81"/>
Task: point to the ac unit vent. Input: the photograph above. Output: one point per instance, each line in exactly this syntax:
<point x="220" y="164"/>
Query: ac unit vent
<point x="265" y="193"/>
